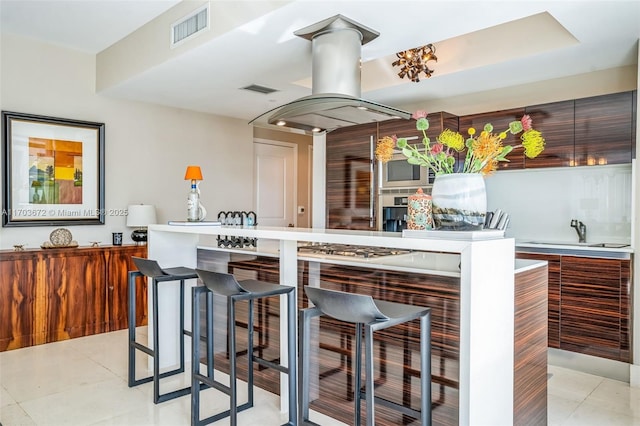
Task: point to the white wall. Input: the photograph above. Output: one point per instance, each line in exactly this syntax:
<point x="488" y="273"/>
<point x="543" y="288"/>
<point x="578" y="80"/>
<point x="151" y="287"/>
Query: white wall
<point x="147" y="147"/>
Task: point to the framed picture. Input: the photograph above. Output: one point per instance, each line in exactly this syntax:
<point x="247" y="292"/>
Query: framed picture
<point x="53" y="171"/>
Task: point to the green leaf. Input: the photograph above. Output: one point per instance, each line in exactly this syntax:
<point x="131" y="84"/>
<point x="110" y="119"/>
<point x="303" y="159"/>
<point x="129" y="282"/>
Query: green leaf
<point x="413" y="160"/>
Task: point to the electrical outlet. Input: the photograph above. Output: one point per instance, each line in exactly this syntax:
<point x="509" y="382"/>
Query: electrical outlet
<point x="300" y="209"/>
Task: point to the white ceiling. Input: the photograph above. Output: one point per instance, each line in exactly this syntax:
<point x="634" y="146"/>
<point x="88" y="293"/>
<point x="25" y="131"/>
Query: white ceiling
<point x="481" y="45"/>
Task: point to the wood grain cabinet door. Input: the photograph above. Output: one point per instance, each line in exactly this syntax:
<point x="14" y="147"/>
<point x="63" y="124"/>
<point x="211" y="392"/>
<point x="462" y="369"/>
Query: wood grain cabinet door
<point x="75" y="294"/>
<point x="119" y="263"/>
<point x="604" y="129"/>
<point x="595" y="307"/>
<point x="555" y="121"/>
<point x="18" y="294"/>
<point x="350" y="179"/>
<point x="500" y="121"/>
<point x="553" y="261"/>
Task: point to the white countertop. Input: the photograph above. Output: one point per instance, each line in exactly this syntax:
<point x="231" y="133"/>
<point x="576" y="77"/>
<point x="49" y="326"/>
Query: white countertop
<point x="610" y="250"/>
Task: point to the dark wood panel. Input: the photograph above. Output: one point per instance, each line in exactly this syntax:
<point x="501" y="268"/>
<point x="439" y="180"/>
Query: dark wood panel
<point x="438" y="121"/>
<point x="530" y="345"/>
<point x="625" y="311"/>
<point x="348" y="179"/>
<point x="500" y="121"/>
<point x="555" y="121"/>
<point x="590" y="306"/>
<point x="603" y="129"/>
<point x="553" y="267"/>
<point x="18" y="300"/>
<point x="75" y="294"/>
<point x="118" y="264"/>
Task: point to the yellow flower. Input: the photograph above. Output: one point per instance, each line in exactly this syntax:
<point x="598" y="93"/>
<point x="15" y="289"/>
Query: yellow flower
<point x="452" y="139"/>
<point x="533" y="143"/>
<point x="384" y="149"/>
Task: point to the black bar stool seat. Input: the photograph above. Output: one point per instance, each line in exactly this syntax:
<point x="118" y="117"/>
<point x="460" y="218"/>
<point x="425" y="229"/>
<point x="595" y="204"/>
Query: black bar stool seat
<point x="368" y="315"/>
<point x="151" y="269"/>
<point x="250" y="290"/>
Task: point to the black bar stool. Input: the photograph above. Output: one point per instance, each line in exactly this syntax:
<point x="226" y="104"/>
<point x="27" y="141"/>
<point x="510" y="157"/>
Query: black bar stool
<point x="249" y="290"/>
<point x="152" y="270"/>
<point x="369" y="315"/>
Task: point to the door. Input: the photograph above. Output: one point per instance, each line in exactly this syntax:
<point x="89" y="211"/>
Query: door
<point x="275" y="174"/>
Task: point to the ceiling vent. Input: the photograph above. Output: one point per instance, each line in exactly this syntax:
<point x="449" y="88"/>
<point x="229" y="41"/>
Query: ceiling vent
<point x="190" y="25"/>
<point x="259" y="89"/>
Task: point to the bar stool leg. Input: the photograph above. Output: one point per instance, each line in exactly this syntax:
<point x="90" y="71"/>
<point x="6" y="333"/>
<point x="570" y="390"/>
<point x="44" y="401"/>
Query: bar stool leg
<point x="181" y="332"/>
<point x="425" y="366"/>
<point x="233" y="413"/>
<point x="156" y="343"/>
<point x="195" y="355"/>
<point x="291" y="367"/>
<point x="369" y="386"/>
<point x="250" y="352"/>
<point x="357" y="396"/>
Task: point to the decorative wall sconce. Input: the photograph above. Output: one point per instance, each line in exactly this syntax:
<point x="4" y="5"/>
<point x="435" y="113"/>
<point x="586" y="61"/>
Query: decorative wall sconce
<point x="412" y="62"/>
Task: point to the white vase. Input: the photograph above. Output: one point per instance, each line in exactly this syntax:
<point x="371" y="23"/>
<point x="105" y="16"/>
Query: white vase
<point x="459" y="202"/>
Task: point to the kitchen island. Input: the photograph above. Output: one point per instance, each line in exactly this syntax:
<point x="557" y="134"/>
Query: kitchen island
<point x="498" y="311"/>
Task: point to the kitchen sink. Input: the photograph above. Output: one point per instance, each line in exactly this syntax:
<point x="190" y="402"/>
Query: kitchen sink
<point x="558" y="243"/>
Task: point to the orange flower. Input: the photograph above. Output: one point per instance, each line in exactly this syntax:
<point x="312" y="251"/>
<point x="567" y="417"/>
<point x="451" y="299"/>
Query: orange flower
<point x="384" y="149"/>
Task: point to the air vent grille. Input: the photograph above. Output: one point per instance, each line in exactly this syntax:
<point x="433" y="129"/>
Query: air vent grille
<point x="190" y="25"/>
<point x="259" y="89"/>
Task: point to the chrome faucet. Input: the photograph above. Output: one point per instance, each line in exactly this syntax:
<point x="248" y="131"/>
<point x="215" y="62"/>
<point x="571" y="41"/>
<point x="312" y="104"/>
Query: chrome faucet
<point x="581" y="229"/>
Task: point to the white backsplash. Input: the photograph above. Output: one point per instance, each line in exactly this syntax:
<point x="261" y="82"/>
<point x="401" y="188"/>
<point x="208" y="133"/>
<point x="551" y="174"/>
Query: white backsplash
<point x="542" y="202"/>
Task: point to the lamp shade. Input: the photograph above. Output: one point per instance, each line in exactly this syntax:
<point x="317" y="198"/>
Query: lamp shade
<point x="141" y="215"/>
<point x="193" y="173"/>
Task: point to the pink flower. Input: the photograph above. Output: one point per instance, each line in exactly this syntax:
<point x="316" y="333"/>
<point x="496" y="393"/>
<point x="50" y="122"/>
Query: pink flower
<point x="436" y="148"/>
<point x="419" y="114"/>
<point x="526" y="122"/>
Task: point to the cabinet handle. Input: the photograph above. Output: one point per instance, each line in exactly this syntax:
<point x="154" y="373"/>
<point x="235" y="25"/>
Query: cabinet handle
<point x="111" y="287"/>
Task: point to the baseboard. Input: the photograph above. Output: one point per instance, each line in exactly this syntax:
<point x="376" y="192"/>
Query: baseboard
<point x="603" y="367"/>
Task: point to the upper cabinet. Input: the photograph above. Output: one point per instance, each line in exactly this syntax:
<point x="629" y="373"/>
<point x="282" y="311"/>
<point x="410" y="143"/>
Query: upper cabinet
<point x="555" y="121"/>
<point x="500" y="121"/>
<point x="438" y="121"/>
<point x="604" y="129"/>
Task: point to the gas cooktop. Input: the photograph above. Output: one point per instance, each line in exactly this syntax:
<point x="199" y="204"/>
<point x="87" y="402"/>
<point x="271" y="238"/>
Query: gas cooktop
<point x="347" y="250"/>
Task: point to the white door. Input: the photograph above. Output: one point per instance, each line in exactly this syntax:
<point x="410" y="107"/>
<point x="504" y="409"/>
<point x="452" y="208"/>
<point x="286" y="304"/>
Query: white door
<point x="275" y="174"/>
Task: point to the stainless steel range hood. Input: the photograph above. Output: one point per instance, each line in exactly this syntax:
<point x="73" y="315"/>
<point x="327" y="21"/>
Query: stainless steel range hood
<point x="335" y="100"/>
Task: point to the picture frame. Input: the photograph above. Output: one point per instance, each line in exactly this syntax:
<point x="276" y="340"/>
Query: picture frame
<point x="53" y="171"/>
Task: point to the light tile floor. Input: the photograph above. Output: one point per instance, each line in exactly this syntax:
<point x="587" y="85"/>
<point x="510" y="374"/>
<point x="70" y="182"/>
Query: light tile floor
<point x="84" y="382"/>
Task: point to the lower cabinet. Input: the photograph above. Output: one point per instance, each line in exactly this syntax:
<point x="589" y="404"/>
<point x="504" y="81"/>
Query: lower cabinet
<point x="57" y="294"/>
<point x="589" y="304"/>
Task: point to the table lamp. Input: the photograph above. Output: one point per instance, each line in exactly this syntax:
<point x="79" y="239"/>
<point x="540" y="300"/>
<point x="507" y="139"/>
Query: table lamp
<point x="195" y="210"/>
<point x="140" y="216"/>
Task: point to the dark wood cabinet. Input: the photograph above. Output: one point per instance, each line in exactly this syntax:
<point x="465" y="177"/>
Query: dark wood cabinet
<point x="57" y="294"/>
<point x="555" y="121"/>
<point x="20" y="322"/>
<point x="75" y="294"/>
<point x="589" y="304"/>
<point x="595" y="307"/>
<point x="553" y="290"/>
<point x="500" y="121"/>
<point x="350" y="178"/>
<point x="604" y="129"/>
<point x="438" y="121"/>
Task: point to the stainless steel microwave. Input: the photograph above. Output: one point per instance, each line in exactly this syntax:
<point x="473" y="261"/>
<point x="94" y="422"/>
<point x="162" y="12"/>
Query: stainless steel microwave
<point x="397" y="173"/>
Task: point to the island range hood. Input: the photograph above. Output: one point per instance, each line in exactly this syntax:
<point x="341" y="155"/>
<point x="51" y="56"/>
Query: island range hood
<point x="335" y="101"/>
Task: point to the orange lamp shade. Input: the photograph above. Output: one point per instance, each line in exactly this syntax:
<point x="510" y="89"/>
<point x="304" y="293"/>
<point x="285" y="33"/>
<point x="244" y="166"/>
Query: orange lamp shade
<point x="193" y="173"/>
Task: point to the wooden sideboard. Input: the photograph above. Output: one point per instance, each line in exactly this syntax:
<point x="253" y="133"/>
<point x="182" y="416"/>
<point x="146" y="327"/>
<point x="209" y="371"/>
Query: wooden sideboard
<point x="48" y="295"/>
